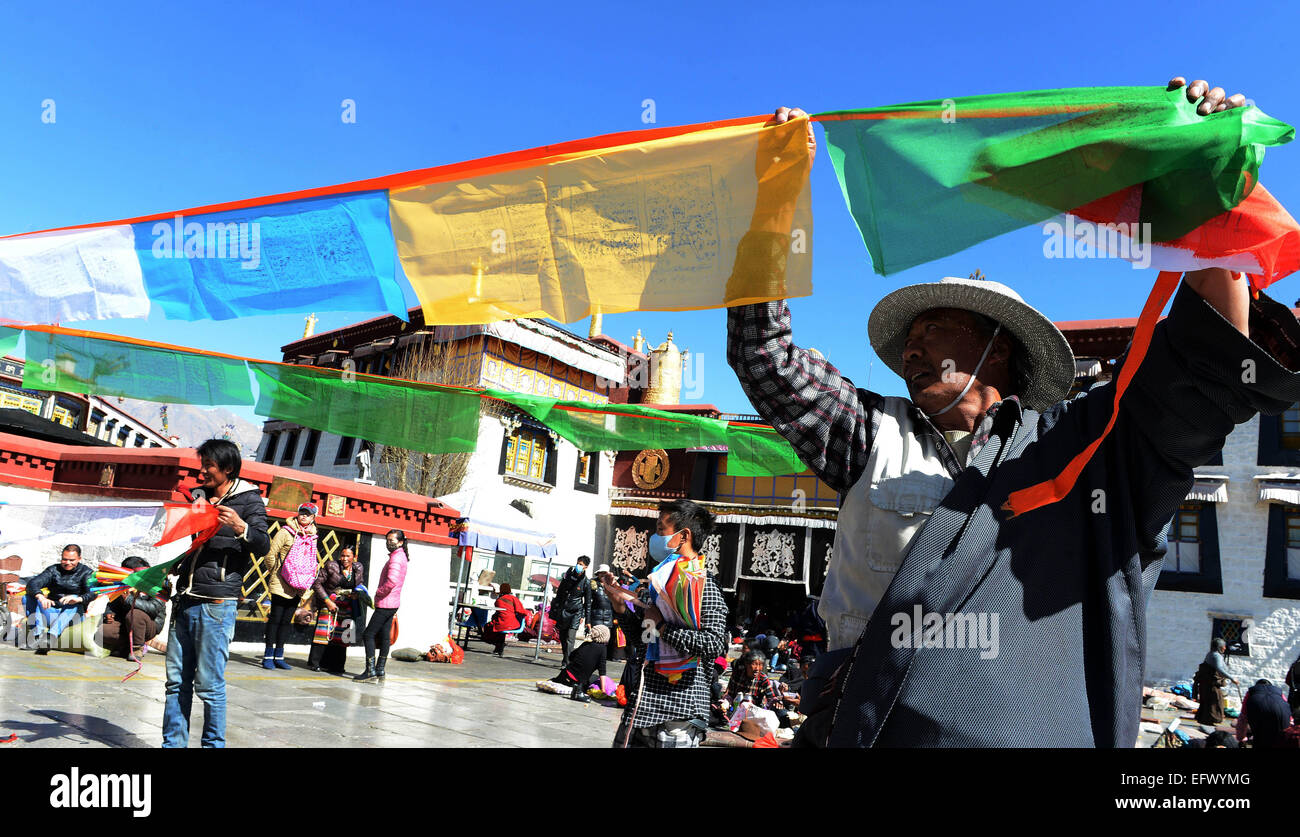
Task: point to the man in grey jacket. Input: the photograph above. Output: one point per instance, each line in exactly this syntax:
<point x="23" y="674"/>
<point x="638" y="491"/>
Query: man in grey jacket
<point x="936" y="598"/>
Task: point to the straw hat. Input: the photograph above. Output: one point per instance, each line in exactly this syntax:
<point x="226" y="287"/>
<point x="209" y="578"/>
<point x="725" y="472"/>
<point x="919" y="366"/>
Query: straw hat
<point x="1047" y="360"/>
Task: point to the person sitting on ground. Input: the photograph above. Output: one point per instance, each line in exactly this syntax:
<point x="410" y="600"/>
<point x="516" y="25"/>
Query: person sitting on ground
<point x="749" y="678"/>
<point x="717" y="705"/>
<point x="795" y="676"/>
<point x="1265" y="715"/>
<point x="56" y="597"/>
<point x="583" y="662"/>
<point x="1218" y="740"/>
<point x="510" y="614"/>
<point x="132" y="619"/>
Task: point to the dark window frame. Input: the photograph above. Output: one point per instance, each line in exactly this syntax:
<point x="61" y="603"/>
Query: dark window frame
<point x="290" y="448"/>
<point x="1276" y="583"/>
<point x="1210" y="577"/>
<point x="348" y="444"/>
<point x="1236" y="648"/>
<point x="1272" y="446"/>
<point x="592" y="484"/>
<point x="309" y="448"/>
<point x="272" y="446"/>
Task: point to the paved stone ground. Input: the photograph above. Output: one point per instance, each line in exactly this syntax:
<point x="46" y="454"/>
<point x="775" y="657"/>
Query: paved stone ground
<point x="68" y="700"/>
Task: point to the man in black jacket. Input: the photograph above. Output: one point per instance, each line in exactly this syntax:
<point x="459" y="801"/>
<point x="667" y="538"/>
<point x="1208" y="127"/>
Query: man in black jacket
<point x="208" y="589"/>
<point x="56" y="598"/>
<point x="572" y="605"/>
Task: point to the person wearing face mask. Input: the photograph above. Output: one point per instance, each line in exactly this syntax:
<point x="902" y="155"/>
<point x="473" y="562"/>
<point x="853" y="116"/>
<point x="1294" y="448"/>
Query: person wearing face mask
<point x="572" y="606"/>
<point x="673" y="711"/>
<point x="388" y="597"/>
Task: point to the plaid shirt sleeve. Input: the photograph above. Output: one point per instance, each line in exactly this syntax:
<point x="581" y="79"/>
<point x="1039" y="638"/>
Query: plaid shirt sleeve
<point x="827" y="420"/>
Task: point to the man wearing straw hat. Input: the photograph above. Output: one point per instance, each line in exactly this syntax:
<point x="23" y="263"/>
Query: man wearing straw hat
<point x="936" y="597"/>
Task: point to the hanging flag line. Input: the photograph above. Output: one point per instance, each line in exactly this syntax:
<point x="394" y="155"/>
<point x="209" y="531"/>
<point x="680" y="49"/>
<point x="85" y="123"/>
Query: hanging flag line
<point x="637" y="220"/>
<point x="1008" y="160"/>
<point x="386" y="409"/>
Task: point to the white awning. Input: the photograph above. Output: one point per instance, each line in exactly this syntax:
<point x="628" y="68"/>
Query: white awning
<point x="490" y="522"/>
<point x="1209" y="488"/>
<point x="1279" y="488"/>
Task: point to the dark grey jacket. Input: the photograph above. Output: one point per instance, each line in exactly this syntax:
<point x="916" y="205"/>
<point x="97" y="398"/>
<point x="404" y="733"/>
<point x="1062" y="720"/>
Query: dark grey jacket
<point x="1069" y="583"/>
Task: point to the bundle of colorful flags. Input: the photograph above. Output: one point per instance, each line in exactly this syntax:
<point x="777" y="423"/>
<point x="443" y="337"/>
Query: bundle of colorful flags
<point x="181" y="519"/>
<point x="678" y="584"/>
<point x="1135" y="172"/>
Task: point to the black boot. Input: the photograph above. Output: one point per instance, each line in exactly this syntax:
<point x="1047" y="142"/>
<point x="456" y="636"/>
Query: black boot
<point x="314" y="658"/>
<point x="379" y="666"/>
<point x="579" y="694"/>
<point x="369" y="673"/>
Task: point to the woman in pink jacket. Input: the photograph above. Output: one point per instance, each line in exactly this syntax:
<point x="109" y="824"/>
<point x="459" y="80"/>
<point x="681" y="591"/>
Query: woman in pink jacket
<point x="388" y="597"/>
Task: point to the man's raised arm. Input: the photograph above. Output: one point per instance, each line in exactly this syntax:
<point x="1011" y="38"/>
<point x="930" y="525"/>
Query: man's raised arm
<point x="819" y="412"/>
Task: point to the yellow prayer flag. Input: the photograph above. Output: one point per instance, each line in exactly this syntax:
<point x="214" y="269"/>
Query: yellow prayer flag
<point x="650" y="221"/>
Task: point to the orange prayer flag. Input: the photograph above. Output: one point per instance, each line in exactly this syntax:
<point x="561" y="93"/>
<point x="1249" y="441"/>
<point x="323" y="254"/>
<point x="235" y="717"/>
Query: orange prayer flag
<point x="198" y="519"/>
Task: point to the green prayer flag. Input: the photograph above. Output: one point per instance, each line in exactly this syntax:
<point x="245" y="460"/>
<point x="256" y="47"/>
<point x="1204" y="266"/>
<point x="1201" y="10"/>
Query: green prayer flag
<point x="752" y="451"/>
<point x="150" y="580"/>
<point x="102" y="366"/>
<point x="423" y="417"/>
<point x="928" y="179"/>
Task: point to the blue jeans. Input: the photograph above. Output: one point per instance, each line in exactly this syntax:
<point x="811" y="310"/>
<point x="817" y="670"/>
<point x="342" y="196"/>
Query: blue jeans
<point x="53" y="620"/>
<point x="198" y="647"/>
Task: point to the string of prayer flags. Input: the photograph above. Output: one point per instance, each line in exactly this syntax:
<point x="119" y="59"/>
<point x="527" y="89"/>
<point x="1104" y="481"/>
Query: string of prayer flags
<point x="64" y="360"/>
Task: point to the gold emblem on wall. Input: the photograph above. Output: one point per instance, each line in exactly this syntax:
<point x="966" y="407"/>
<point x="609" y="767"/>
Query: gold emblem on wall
<point x="650" y="469"/>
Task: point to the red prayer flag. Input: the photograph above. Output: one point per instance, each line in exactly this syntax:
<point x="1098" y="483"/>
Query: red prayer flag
<point x="197" y="519"/>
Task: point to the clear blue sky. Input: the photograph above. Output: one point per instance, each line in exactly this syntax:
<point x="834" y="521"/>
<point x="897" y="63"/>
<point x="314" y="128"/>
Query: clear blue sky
<point x="163" y="107"/>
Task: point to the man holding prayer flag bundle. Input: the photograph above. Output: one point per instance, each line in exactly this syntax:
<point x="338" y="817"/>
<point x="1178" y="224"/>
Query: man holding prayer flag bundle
<point x="925" y="534"/>
<point x="208" y="589"/>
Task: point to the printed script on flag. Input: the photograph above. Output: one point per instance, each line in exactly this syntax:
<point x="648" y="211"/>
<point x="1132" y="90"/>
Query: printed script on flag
<point x="641" y="225"/>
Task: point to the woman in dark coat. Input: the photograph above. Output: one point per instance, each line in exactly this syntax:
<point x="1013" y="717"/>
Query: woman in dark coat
<point x="583" y="664"/>
<point x="337" y="610"/>
<point x="510" y="615"/>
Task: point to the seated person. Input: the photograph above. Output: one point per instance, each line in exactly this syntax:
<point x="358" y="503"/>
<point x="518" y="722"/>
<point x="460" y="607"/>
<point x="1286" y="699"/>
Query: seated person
<point x="583" y="663"/>
<point x="511" y="615"/>
<point x="717" y="709"/>
<point x="749" y="678"/>
<point x="57" y="597"/>
<point x="133" y="616"/>
<point x="795" y="676"/>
